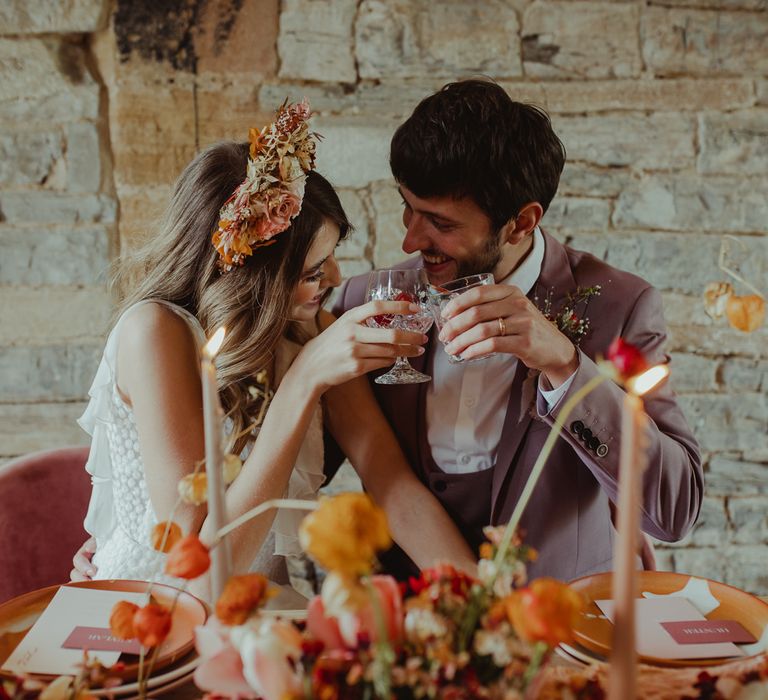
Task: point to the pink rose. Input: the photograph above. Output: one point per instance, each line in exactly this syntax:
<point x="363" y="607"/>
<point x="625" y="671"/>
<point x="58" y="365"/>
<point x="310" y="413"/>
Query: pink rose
<point x="283" y="206"/>
<point x="221" y="668"/>
<point x="346" y="629"/>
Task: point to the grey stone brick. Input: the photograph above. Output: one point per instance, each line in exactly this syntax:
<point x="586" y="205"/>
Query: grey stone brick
<point x="553" y="40"/>
<point x="704" y="42"/>
<point x="749" y="516"/>
<point x="315" y="40"/>
<point x="685" y="203"/>
<point x="694" y="373"/>
<point x="43" y="374"/>
<point x="660" y="141"/>
<point x="417" y="38"/>
<point x="43" y="255"/>
<point x="720" y="423"/>
<point x="731" y="476"/>
<point x="84" y="155"/>
<point x="736" y="142"/>
<point x="27" y="206"/>
<point x="29" y="158"/>
<point x="43" y="16"/>
<point x="31" y="427"/>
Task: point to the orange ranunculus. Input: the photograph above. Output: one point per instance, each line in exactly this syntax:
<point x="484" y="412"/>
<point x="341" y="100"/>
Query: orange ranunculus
<point x="152" y="623"/>
<point x="193" y="488"/>
<point x="188" y="558"/>
<point x="121" y="620"/>
<point x="162" y="542"/>
<point x="546" y="611"/>
<point x="240" y="597"/>
<point x="745" y="313"/>
<point x="345" y="532"/>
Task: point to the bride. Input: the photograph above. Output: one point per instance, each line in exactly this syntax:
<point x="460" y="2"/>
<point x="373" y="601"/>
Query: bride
<point x="263" y="274"/>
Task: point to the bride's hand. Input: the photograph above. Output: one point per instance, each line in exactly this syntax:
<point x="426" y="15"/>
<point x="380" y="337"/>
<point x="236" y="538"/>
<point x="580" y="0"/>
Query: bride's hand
<point x="349" y="348"/>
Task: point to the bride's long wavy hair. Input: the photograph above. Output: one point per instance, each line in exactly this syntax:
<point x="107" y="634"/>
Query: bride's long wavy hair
<point x="178" y="265"/>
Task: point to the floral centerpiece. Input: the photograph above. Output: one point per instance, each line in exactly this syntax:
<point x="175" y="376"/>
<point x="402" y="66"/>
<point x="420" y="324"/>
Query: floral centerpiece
<point x="446" y="633"/>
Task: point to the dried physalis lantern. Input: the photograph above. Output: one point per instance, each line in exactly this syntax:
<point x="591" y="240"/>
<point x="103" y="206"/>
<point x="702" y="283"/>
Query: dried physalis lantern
<point x="716" y="295"/>
<point x="745" y="313"/>
<point x="232" y="466"/>
<point x="164" y="535"/>
<point x="193" y="488"/>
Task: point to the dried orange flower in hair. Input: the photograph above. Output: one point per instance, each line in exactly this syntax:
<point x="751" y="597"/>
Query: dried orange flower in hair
<point x="121" y="620"/>
<point x="152" y="623"/>
<point x="188" y="558"/>
<point x="240" y="597"/>
<point x="546" y="611"/>
<point x="716" y="295"/>
<point x="193" y="488"/>
<point x="161" y="541"/>
<point x="231" y="468"/>
<point x="745" y="313"/>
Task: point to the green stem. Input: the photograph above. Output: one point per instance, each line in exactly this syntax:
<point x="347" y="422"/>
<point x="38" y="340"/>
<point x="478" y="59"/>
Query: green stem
<point x="539" y="649"/>
<point x="384" y="654"/>
<point x="538" y="467"/>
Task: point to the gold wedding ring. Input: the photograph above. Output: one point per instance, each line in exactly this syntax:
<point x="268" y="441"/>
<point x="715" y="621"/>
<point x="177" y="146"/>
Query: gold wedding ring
<point x="502" y="326"/>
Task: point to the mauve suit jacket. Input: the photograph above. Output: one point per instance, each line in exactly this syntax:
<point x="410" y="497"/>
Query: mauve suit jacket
<point x="568" y="519"/>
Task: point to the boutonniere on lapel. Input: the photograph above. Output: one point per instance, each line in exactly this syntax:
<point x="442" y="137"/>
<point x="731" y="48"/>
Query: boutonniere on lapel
<point x="570" y="317"/>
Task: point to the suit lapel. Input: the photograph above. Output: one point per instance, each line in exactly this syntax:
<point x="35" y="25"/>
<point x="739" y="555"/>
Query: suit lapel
<point x="556" y="280"/>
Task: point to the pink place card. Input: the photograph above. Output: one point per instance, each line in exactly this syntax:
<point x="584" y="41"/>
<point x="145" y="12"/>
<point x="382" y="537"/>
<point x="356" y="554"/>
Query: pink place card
<point x="653" y="640"/>
<point x="708" y="632"/>
<point x="100" y="639"/>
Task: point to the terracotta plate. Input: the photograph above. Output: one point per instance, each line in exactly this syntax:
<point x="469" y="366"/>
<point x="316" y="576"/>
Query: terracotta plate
<point x="19" y="614"/>
<point x="594" y="631"/>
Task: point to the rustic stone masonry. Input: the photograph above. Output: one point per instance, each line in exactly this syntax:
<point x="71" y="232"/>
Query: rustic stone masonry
<point x="662" y="105"/>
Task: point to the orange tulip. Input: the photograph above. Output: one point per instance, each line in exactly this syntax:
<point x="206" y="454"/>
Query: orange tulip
<point x="121" y="620"/>
<point x="745" y="313"/>
<point x="240" y="597"/>
<point x="546" y="611"/>
<point x="188" y="558"/>
<point x="152" y="623"/>
<point x="162" y="542"/>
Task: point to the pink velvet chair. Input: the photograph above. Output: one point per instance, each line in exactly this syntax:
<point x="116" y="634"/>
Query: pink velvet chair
<point x="43" y="501"/>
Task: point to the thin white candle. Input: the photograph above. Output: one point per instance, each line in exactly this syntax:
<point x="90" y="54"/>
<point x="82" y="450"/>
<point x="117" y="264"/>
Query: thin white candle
<point x="622" y="677"/>
<point x="213" y="417"/>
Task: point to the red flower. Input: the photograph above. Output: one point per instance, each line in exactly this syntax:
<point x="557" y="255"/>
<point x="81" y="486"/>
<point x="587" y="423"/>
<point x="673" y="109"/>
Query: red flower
<point x="152" y="623"/>
<point x="627" y="359"/>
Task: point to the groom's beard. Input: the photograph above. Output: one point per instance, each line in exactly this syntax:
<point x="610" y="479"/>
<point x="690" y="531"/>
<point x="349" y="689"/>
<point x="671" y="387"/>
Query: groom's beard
<point x="485" y="260"/>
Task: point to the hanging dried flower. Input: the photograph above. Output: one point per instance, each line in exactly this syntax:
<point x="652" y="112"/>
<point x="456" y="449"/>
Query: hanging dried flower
<point x="240" y="597"/>
<point x="193" y="488"/>
<point x="189" y="558"/>
<point x="163" y="542"/>
<point x="231" y="468"/>
<point x="152" y="623"/>
<point x="745" y="313"/>
<point x="716" y="295"/>
<point x="121" y="620"/>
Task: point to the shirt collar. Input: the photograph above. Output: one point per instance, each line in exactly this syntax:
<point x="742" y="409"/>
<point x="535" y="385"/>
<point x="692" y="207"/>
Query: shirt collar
<point x="525" y="275"/>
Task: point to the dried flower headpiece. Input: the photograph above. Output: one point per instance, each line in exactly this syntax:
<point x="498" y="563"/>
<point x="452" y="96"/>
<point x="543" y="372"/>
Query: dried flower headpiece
<point x="281" y="155"/>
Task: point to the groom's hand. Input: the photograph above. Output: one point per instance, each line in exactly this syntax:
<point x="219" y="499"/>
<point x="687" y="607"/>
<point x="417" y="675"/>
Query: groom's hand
<point x="473" y="330"/>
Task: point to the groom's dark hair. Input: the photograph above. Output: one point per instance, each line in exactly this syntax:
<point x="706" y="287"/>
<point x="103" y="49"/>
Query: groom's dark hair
<point x="471" y="139"/>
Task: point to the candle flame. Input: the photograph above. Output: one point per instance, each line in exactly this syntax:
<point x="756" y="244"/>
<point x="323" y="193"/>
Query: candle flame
<point x="644" y="382"/>
<point x="214" y="343"/>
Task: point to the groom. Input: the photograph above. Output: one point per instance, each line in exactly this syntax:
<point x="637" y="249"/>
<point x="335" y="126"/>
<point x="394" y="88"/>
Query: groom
<point x="476" y="172"/>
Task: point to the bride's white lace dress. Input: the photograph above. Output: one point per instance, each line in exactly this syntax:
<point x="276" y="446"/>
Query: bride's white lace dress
<point x="120" y="515"/>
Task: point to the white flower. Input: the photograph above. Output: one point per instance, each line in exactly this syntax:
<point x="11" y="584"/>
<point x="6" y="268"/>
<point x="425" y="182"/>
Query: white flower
<point x="493" y="644"/>
<point x="422" y="624"/>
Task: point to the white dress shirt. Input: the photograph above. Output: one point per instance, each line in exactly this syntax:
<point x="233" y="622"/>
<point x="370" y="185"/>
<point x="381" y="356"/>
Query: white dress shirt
<point x="467" y="402"/>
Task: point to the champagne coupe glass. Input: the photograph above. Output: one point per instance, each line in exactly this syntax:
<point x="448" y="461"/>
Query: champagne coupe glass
<point x="401" y="285"/>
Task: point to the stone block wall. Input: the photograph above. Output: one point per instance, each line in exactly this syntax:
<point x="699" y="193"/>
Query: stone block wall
<point x="662" y="106"/>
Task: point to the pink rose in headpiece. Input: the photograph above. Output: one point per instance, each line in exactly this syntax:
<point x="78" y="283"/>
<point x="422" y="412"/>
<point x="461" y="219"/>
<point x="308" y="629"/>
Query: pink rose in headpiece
<point x="282" y="206"/>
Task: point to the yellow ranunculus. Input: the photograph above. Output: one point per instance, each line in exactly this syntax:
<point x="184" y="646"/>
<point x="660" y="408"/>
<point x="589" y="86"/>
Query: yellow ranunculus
<point x="344" y="533"/>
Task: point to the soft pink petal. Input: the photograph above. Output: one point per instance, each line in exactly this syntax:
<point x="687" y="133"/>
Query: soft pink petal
<point x="322" y="628"/>
<point x="223" y="674"/>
